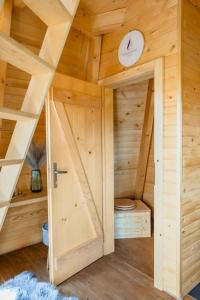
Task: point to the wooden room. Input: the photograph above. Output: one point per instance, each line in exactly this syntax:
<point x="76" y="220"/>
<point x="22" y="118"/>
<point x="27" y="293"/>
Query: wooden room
<point x="99" y="149"/>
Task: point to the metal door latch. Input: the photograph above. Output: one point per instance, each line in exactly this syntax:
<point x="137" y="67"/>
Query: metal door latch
<point x="57" y="172"/>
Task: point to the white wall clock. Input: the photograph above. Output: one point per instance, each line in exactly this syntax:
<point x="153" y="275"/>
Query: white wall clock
<point x="131" y="48"/>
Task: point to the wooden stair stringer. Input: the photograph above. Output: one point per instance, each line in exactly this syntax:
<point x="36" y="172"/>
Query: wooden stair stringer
<point x="33" y="103"/>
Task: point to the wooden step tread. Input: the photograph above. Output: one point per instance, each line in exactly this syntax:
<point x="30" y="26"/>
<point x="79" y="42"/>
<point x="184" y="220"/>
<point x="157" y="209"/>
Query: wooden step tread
<point x="53" y="12"/>
<point x="19" y="56"/>
<point x="11" y="114"/>
<point x="28" y="198"/>
<point x="28" y="195"/>
<point x="10" y="162"/>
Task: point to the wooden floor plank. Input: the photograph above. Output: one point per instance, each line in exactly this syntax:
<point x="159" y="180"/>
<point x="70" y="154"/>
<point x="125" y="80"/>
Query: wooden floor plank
<point x="113" y="277"/>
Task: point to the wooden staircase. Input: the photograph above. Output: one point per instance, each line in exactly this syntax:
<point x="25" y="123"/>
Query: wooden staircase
<point x="58" y="16"/>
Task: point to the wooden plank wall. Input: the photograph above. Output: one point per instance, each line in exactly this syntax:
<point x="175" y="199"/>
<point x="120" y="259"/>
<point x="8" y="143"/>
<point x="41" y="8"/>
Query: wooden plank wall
<point x="158" y="20"/>
<point x="129" y="107"/>
<point x="190" y="244"/>
<point x="23" y="224"/>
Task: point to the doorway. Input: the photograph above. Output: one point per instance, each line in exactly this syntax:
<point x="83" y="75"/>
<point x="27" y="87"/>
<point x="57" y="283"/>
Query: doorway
<point x="150" y="71"/>
<point x="134" y="174"/>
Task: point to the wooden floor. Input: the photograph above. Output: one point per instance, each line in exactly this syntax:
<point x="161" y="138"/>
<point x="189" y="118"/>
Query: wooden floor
<point x="138" y="253"/>
<point x="114" y="277"/>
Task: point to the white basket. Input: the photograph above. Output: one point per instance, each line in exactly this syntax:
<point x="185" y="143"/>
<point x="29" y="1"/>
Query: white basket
<point x="45" y="234"/>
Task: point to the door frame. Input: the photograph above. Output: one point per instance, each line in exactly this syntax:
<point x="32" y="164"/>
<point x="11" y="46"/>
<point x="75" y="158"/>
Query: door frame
<point x="153" y="69"/>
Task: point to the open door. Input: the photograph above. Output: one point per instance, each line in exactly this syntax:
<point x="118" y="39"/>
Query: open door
<point x="75" y="176"/>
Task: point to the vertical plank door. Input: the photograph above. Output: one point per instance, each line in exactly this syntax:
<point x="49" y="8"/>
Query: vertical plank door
<point x="76" y="177"/>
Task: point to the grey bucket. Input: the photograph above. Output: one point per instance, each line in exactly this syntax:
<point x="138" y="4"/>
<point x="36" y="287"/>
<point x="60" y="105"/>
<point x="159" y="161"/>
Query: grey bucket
<point x="45" y="234"/>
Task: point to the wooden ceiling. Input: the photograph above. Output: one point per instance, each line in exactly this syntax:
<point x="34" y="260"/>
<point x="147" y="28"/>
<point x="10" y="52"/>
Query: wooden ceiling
<point x="93" y="7"/>
<point x="101" y="6"/>
<point x="96" y="17"/>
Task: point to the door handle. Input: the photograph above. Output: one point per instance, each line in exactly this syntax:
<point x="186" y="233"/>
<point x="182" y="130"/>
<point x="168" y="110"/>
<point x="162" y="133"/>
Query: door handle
<point x="60" y="172"/>
<point x="57" y="172"/>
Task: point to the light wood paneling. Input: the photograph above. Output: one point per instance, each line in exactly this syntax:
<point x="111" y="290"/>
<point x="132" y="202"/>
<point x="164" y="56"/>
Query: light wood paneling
<point x="158" y="20"/>
<point x="160" y="34"/>
<point x="108" y="170"/>
<point x="190" y="246"/>
<point x="94" y="59"/>
<point x="23" y="225"/>
<point x="129" y="107"/>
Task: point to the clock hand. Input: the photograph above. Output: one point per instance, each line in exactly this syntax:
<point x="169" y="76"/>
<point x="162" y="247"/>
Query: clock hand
<point x="129" y="42"/>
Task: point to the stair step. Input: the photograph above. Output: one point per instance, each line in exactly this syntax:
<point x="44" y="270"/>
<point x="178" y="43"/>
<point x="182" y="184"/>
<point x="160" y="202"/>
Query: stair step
<point x="11" y="114"/>
<point x="53" y="12"/>
<point x="10" y="162"/>
<point x="19" y="56"/>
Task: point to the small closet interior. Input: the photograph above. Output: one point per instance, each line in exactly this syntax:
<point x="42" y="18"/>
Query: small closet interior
<point x="134" y="173"/>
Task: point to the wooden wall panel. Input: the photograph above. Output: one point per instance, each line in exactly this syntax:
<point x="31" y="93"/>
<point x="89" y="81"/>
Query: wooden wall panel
<point x="190" y="244"/>
<point x="158" y="20"/>
<point x="171" y="200"/>
<point x="23" y="224"/>
<point x="129" y="106"/>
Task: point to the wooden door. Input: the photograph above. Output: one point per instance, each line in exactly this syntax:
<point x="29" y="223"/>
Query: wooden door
<point x="76" y="177"/>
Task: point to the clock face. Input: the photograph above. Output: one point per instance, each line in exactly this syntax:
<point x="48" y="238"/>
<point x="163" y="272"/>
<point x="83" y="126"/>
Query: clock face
<point x="131" y="48"/>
